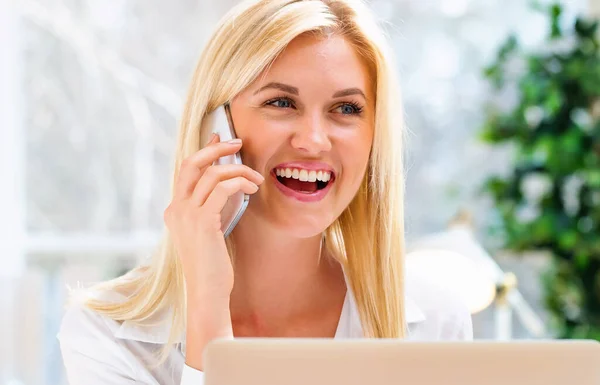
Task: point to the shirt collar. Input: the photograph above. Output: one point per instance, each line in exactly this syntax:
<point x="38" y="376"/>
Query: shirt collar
<point x="155" y="333"/>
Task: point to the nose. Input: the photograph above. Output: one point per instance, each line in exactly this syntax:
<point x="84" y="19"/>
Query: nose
<point x="311" y="136"/>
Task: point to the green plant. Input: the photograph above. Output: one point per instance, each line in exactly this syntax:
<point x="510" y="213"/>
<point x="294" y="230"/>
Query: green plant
<point x="550" y="200"/>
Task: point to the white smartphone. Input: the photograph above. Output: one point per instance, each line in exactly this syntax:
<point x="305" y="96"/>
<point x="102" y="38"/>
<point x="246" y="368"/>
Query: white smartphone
<point x="222" y="124"/>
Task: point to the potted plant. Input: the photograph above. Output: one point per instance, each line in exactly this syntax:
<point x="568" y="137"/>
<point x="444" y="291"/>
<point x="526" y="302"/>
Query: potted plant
<point x="550" y="199"/>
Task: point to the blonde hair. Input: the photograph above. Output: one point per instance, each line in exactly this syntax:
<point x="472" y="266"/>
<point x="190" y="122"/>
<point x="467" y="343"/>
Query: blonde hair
<point x="368" y="238"/>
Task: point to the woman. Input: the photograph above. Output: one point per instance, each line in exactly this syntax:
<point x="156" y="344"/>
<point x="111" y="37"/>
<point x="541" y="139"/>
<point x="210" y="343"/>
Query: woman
<point x="319" y="250"/>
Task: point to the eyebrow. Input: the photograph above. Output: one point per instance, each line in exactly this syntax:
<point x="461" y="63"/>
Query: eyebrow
<point x="348" y="92"/>
<point x="279" y="86"/>
<point x="294" y="90"/>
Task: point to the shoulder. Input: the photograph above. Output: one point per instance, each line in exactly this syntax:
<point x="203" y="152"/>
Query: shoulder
<point x="445" y="316"/>
<point x="88" y="343"/>
<point x="81" y="325"/>
<point x="81" y="321"/>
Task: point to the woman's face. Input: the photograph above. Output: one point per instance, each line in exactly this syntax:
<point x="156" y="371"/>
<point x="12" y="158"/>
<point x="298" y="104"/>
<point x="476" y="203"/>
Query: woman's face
<point x="307" y="126"/>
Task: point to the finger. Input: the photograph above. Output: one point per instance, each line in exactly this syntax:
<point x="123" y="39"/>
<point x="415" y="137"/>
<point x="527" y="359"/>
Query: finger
<point x="218" y="173"/>
<point x="214" y="138"/>
<point x="225" y="189"/>
<point x="194" y="166"/>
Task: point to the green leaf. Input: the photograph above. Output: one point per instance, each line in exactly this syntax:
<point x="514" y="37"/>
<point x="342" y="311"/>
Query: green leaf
<point x="554" y="101"/>
<point x="509" y="47"/>
<point x="585" y="28"/>
<point x="555" y="11"/>
<point x="592" y="177"/>
<point x="568" y="240"/>
<point x="582" y="260"/>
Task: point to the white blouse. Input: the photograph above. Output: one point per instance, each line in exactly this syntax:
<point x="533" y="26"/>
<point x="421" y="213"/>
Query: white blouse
<point x="99" y="351"/>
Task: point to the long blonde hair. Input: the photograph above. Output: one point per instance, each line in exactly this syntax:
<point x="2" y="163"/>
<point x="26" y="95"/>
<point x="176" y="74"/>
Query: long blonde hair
<point x="368" y="238"/>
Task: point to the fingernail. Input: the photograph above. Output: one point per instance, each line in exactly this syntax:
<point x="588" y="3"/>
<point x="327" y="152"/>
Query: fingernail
<point x="259" y="174"/>
<point x="211" y="139"/>
<point x="235" y="141"/>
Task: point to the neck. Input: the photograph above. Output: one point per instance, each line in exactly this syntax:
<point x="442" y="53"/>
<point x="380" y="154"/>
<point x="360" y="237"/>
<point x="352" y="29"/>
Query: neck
<point x="278" y="277"/>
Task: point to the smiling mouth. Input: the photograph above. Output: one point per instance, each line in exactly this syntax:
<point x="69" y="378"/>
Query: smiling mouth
<point x="304" y="181"/>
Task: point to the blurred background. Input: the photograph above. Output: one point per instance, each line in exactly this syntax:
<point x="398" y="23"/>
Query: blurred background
<point x="502" y="99"/>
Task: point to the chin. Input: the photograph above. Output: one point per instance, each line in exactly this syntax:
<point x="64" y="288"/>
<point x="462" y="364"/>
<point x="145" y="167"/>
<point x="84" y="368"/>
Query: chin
<point x="292" y="221"/>
<point x="302" y="225"/>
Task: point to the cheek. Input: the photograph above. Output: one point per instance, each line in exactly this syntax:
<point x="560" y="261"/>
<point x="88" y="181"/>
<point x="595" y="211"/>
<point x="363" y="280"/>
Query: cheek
<point x="355" y="150"/>
<point x="252" y="152"/>
<point x="260" y="142"/>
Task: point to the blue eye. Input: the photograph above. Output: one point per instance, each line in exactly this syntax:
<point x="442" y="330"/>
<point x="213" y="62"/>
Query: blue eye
<point x="350" y="109"/>
<point x="347" y="109"/>
<point x="280" y="103"/>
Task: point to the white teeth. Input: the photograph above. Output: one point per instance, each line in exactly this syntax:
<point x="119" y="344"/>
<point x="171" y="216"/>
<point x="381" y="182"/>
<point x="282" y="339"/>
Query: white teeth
<point x="304" y="175"/>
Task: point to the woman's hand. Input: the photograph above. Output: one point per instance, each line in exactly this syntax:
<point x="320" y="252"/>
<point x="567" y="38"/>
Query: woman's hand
<point x="194" y="222"/>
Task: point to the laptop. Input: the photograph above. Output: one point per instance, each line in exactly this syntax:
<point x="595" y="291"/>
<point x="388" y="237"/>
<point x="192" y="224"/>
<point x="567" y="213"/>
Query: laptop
<point x="271" y="361"/>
